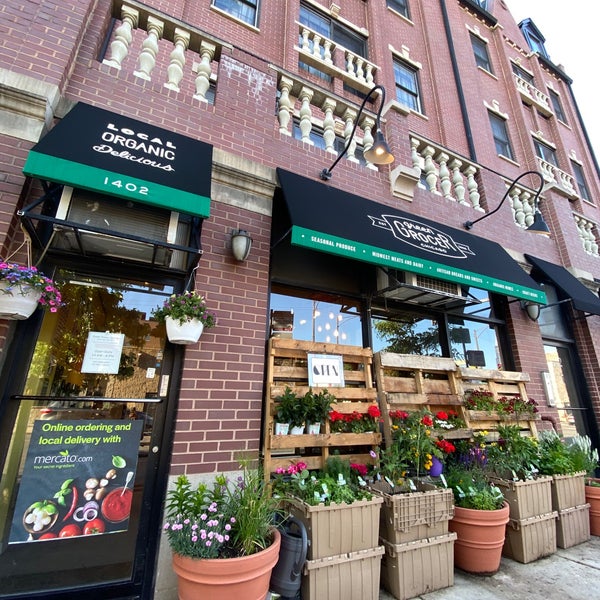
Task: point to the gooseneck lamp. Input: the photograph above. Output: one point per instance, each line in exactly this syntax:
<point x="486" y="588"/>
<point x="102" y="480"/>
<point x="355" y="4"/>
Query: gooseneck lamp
<point x="379" y="153"/>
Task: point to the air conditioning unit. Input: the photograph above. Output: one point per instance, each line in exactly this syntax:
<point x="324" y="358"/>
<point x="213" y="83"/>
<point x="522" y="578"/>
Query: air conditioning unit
<point x="418" y="289"/>
<point x="123" y="217"/>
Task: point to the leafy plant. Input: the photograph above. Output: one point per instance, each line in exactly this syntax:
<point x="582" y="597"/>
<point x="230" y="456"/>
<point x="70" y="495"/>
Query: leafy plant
<point x="472" y="490"/>
<point x="20" y="280"/>
<point x="183" y="307"/>
<point x="585" y="457"/>
<point x="286" y="406"/>
<point x="229" y="519"/>
<point x="485" y="400"/>
<point x="318" y="405"/>
<point x="513" y="453"/>
<point x="555" y="457"/>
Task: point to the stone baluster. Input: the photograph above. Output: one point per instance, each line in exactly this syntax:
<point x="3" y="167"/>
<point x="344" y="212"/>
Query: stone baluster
<point x="445" y="183"/>
<point x="349" y="118"/>
<point x="528" y="207"/>
<point x="517" y="205"/>
<point x="458" y="181"/>
<point x="305" y="35"/>
<point x="369" y="76"/>
<point x="316" y="50"/>
<point x="305" y="96"/>
<point x="329" y="125"/>
<point x="203" y="70"/>
<point x="147" y="60"/>
<point x="177" y="59"/>
<point x="327" y="53"/>
<point x="417" y="160"/>
<point x="430" y="171"/>
<point x="473" y="188"/>
<point x="368" y="140"/>
<point x="119" y="48"/>
<point x="350" y="63"/>
<point x="360" y="72"/>
<point x="285" y="105"/>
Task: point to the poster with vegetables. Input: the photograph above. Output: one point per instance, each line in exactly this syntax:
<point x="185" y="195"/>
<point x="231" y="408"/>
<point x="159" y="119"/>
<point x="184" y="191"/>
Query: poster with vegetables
<point x="77" y="479"/>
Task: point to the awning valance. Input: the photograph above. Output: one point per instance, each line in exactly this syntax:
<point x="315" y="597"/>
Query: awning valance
<point x="330" y="220"/>
<point x="582" y="298"/>
<point x="98" y="150"/>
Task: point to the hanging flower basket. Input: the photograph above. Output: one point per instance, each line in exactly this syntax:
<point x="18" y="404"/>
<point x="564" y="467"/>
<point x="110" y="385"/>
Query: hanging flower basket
<point x="185" y="333"/>
<point x="22" y="289"/>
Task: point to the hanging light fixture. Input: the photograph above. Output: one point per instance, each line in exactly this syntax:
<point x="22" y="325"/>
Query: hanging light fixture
<point x="539" y="225"/>
<point x="241" y="243"/>
<point x="379" y="153"/>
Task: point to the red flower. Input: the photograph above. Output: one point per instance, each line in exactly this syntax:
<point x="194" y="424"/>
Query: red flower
<point x="441" y="415"/>
<point x="427" y="421"/>
<point x="360" y="469"/>
<point x="398" y="414"/>
<point x="374" y="411"/>
<point x="445" y="446"/>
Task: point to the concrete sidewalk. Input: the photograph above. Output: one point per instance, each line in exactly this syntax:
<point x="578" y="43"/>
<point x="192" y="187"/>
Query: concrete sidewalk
<point x="569" y="574"/>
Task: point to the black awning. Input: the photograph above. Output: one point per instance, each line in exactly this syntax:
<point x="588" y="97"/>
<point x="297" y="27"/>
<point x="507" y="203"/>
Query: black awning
<point x="582" y="298"/>
<point x="329" y="220"/>
<point x="98" y="150"/>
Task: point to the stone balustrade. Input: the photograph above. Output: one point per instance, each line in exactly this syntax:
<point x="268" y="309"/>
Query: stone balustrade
<point x="564" y="183"/>
<point x="190" y="48"/>
<point x="531" y="95"/>
<point x="335" y="60"/>
<point x="444" y="173"/>
<point x="587" y="233"/>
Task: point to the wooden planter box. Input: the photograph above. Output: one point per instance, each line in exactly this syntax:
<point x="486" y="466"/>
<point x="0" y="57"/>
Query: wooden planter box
<point x="568" y="491"/>
<point x="409" y="570"/>
<point x="352" y="576"/>
<point x="532" y="538"/>
<point x="416" y="515"/>
<point x="339" y="528"/>
<point x="526" y="498"/>
<point x="573" y="526"/>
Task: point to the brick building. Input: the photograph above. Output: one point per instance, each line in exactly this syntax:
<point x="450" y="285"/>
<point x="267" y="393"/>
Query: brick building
<point x="137" y="138"/>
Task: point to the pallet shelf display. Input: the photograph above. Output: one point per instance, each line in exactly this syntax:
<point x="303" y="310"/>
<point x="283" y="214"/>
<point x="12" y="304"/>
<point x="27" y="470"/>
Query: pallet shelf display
<point x="288" y="367"/>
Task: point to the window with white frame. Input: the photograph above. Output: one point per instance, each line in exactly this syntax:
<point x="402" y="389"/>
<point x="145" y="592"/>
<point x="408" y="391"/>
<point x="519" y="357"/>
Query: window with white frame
<point x="545" y="152"/>
<point x="580" y="179"/>
<point x="523" y="74"/>
<point x="480" y="50"/>
<point x="407" y="85"/>
<point x="500" y="133"/>
<point x="400" y="6"/>
<point x="244" y="10"/>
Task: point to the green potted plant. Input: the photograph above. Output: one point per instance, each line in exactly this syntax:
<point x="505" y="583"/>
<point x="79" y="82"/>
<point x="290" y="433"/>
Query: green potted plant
<point x="480" y="517"/>
<point x="586" y="459"/>
<point x="318" y="406"/>
<point x="185" y="316"/>
<point x="223" y="537"/>
<point x="23" y="289"/>
<point x="285" y="408"/>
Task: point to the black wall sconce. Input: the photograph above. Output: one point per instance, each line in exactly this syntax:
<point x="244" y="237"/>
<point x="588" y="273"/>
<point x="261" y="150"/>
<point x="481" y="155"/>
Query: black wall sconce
<point x="538" y="225"/>
<point x="241" y="243"/>
<point x="379" y="153"/>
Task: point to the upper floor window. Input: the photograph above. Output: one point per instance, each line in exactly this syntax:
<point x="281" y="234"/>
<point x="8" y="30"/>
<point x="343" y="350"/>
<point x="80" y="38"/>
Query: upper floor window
<point x="534" y="38"/>
<point x="500" y="132"/>
<point x="482" y="3"/>
<point x="580" y="179"/>
<point x="332" y="30"/>
<point x="244" y="10"/>
<point x="400" y="6"/>
<point x="523" y="74"/>
<point x="545" y="152"/>
<point x="482" y="58"/>
<point x="557" y="106"/>
<point x="407" y="86"/>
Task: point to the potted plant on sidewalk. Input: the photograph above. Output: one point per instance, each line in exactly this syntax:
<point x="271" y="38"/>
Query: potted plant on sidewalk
<point x="223" y="537"/>
<point x="185" y="316"/>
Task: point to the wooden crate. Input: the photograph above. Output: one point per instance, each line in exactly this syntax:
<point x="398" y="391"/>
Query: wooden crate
<point x="410" y="382"/>
<point x="287" y="366"/>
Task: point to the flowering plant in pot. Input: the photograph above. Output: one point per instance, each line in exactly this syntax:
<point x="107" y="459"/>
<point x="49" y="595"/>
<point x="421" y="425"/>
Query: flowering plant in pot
<point x="19" y="283"/>
<point x="211" y="530"/>
<point x="182" y="311"/>
<point x="355" y="422"/>
<point x="503" y="406"/>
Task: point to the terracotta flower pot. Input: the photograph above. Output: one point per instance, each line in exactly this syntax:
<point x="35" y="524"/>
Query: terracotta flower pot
<point x="478" y="547"/>
<point x="592" y="497"/>
<point x="244" y="578"/>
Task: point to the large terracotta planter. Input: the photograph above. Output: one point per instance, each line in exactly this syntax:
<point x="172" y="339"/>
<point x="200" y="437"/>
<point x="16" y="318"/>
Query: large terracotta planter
<point x="245" y="578"/>
<point x="592" y="497"/>
<point x="480" y="538"/>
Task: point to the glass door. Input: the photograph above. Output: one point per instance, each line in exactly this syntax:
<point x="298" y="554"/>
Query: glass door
<point x="85" y="442"/>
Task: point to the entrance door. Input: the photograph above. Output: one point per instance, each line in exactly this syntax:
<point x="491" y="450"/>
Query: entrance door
<point x="80" y="491"/>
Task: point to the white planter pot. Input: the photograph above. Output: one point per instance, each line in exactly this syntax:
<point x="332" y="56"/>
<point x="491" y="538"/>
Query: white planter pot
<point x="19" y="303"/>
<point x="282" y="428"/>
<point x="297" y="430"/>
<point x="314" y="428"/>
<point x="188" y="332"/>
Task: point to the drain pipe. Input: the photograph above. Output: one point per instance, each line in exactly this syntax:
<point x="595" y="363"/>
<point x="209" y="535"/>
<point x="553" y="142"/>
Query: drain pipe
<point x="459" y="88"/>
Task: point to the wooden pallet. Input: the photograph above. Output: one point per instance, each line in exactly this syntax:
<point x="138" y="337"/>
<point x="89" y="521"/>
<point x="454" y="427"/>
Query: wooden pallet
<point x="287" y="366"/>
<point x="410" y="382"/>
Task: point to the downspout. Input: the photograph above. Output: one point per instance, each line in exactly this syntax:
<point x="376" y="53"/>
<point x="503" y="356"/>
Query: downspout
<point x="459" y="88"/>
